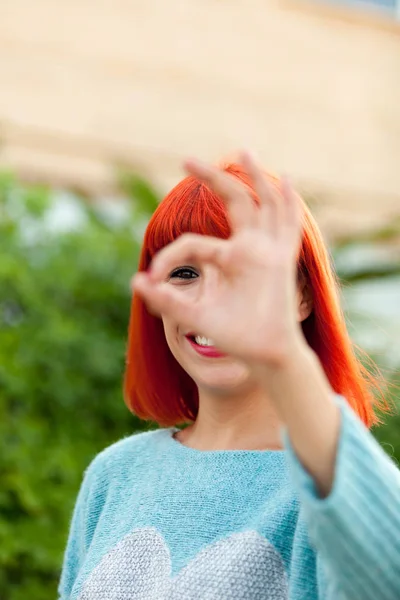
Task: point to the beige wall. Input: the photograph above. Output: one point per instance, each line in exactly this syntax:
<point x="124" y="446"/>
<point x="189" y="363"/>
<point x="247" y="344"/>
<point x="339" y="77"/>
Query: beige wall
<point x="85" y="83"/>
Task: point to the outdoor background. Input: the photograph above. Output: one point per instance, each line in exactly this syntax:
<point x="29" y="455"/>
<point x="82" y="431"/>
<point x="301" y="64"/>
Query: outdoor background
<point x="99" y="104"/>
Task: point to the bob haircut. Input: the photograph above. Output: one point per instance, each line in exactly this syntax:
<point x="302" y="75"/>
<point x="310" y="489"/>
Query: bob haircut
<point x="156" y="388"/>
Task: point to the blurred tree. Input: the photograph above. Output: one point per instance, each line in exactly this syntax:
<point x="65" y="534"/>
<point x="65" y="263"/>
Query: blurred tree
<point x="64" y="306"/>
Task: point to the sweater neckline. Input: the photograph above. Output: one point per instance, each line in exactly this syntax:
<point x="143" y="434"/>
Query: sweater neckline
<point x="178" y="447"/>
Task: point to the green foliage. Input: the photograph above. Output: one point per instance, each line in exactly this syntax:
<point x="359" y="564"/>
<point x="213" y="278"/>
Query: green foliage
<point x="369" y="271"/>
<point x="64" y="308"/>
<point x="388" y="434"/>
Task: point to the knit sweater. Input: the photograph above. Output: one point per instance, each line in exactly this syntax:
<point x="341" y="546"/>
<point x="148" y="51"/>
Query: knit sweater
<point x="158" y="520"/>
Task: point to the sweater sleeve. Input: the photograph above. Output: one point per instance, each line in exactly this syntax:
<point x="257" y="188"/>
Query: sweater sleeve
<point x="82" y="526"/>
<point x="356" y="528"/>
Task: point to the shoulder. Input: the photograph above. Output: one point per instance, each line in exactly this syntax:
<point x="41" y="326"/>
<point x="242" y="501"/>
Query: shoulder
<point x="124" y="452"/>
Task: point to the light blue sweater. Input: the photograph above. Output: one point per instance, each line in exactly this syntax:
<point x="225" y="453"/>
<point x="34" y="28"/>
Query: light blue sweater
<point x="157" y="520"/>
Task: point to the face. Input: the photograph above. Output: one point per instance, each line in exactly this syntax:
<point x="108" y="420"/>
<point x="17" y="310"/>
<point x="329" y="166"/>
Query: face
<point x="212" y="372"/>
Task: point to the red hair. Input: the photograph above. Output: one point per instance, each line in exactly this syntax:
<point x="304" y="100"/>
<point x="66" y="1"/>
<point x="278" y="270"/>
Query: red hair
<point x="156" y="387"/>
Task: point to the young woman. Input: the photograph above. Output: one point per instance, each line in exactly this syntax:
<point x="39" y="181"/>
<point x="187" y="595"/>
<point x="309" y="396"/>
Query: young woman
<point x="276" y="489"/>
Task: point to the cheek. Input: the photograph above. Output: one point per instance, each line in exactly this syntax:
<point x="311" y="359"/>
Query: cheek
<point x="170" y="330"/>
<point x="171" y="327"/>
<point x="189" y="289"/>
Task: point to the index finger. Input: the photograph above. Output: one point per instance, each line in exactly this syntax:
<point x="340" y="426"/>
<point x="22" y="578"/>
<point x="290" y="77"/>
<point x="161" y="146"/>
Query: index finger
<point x="239" y="204"/>
<point x="189" y="248"/>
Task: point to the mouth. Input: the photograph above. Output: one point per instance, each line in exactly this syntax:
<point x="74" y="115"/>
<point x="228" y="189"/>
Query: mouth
<point x="203" y="346"/>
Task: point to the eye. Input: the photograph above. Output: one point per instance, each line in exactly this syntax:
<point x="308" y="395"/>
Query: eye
<point x="184" y="273"/>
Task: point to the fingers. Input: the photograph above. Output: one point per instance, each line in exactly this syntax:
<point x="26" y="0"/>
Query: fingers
<point x="271" y="211"/>
<point x="279" y="211"/>
<point x="240" y="206"/>
<point x="292" y="224"/>
<point x="189" y="249"/>
<point x="192" y="249"/>
<point x="163" y="299"/>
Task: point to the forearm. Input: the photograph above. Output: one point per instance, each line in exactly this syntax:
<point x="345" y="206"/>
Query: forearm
<point x="356" y="528"/>
<point x="303" y="398"/>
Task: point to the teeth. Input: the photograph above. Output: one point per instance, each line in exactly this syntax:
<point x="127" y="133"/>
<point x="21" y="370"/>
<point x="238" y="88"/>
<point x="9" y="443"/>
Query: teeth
<point x="203" y="341"/>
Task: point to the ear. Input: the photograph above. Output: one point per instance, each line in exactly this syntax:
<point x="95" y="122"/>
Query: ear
<point x="304" y="298"/>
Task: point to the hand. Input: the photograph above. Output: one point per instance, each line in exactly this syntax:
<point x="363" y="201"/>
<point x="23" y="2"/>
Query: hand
<point x="247" y="297"/>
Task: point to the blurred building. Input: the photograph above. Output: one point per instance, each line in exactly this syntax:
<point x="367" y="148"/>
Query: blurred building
<point x="312" y="87"/>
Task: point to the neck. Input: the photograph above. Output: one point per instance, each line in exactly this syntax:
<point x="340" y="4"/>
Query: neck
<point x="246" y="422"/>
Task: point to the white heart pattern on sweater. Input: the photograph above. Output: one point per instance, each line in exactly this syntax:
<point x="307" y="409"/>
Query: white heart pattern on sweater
<point x="241" y="566"/>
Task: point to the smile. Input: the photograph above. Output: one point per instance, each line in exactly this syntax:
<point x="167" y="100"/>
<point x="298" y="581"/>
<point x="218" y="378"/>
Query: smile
<point x="203" y="346"/>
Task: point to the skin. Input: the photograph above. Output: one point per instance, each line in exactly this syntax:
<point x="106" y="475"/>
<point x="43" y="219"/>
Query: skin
<point x="248" y="302"/>
<point x="234" y="410"/>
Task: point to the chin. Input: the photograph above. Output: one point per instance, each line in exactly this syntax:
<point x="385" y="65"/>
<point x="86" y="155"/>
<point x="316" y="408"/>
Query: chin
<point x="223" y="379"/>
